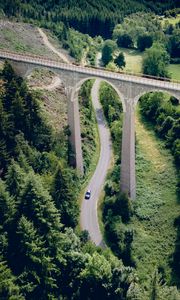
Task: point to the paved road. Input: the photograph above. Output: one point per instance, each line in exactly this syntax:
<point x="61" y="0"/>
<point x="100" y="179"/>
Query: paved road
<point x="89" y="220"/>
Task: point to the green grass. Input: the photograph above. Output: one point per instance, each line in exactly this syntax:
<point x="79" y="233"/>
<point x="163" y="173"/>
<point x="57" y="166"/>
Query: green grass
<point x="156" y="205"/>
<point x="23" y="38"/>
<point x="133" y="60"/>
<point x="174" y="70"/>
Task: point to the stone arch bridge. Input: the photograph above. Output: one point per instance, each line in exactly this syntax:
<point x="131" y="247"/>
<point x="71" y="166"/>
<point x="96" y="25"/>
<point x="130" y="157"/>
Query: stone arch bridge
<point x="128" y="87"/>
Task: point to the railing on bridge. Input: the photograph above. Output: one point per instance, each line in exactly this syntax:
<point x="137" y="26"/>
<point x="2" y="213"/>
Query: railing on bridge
<point x="75" y="66"/>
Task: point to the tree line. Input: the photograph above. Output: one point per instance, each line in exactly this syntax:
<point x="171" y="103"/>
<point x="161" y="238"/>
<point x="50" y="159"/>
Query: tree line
<point x="94" y="18"/>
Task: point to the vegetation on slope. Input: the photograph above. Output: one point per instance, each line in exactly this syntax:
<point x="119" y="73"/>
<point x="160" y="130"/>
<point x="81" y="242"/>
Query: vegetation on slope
<point x="94" y="18"/>
<point x="89" y="134"/>
<point x="21" y="37"/>
<point x="143" y="233"/>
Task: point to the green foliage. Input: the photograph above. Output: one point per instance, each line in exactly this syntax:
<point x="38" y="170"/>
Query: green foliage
<point x="88" y="124"/>
<point x="155" y="61"/>
<point x="144" y="41"/>
<point x="113" y="112"/>
<point x="137" y="29"/>
<point x="8" y="286"/>
<point x="117" y="209"/>
<point x="165" y="116"/>
<point x="7" y="205"/>
<point x="174" y="43"/>
<point x="107" y="51"/>
<point x="64" y="193"/>
<point x="120" y="60"/>
<point x="176" y="256"/>
<point x="15" y="179"/>
<point x="95" y="18"/>
<point x="124" y="40"/>
<point x="36" y="264"/>
<point x="20" y="115"/>
<point x="160" y="291"/>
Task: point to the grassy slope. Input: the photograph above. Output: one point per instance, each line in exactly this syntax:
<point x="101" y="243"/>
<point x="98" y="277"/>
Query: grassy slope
<point x="133" y="60"/>
<point x="156" y="204"/>
<point x="23" y="38"/>
<point x="174" y="70"/>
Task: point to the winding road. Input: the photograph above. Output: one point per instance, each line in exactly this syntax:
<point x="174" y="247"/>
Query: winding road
<point x="89" y="217"/>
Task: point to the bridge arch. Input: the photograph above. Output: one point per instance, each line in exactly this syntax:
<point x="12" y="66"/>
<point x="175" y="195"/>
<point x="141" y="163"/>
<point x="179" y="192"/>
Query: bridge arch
<point x="78" y="85"/>
<point x="174" y="94"/>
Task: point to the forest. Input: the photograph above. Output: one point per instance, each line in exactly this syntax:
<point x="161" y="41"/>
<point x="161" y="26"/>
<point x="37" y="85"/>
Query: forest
<point x="92" y="17"/>
<point x="41" y="254"/>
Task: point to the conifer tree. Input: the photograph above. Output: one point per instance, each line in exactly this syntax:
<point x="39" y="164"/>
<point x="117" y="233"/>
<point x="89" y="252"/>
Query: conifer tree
<point x="7" y="205"/>
<point x="65" y="197"/>
<point x="37" y="205"/>
<point x="15" y="179"/>
<point x="38" y="269"/>
<point x="8" y="286"/>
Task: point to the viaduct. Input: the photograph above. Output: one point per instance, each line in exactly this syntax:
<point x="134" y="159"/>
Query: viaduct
<point x="129" y="88"/>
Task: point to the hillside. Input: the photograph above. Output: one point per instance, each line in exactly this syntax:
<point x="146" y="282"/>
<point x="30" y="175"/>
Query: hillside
<point x="21" y="37"/>
<point x="93" y="17"/>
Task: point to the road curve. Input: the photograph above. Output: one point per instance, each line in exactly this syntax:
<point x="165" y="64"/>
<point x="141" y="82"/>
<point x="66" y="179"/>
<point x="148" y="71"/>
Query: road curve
<point x="89" y="218"/>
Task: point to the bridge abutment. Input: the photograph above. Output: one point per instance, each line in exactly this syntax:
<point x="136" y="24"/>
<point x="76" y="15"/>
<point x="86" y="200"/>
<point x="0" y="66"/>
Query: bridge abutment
<point x="127" y="177"/>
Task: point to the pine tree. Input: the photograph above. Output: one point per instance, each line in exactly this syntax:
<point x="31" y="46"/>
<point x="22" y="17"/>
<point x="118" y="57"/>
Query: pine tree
<point x="15" y="179"/>
<point x="7" y="205"/>
<point x="8" y="72"/>
<point x="8" y="286"/>
<point x="37" y="205"/>
<point x="65" y="197"/>
<point x="38" y="269"/>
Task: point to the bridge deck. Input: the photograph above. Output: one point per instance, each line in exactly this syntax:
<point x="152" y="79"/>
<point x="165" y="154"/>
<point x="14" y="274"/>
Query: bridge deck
<point x="95" y="72"/>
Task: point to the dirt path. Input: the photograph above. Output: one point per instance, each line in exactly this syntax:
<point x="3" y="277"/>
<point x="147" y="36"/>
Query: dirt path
<point x="52" y="48"/>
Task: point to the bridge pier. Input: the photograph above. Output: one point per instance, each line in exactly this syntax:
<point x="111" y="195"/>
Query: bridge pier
<point x="127" y="177"/>
<point x="74" y="126"/>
